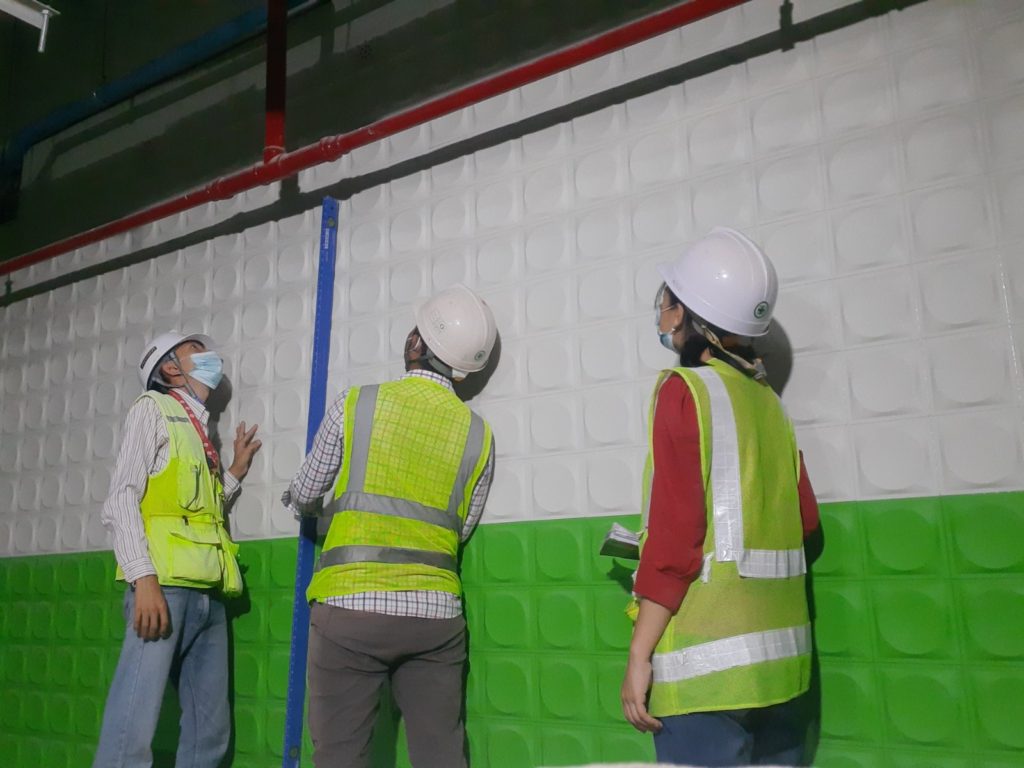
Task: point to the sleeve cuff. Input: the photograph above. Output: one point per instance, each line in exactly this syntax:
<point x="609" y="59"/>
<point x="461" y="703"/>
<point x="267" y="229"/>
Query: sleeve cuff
<point x="232" y="485"/>
<point x="300" y="510"/>
<point x="136" y="569"/>
<point x="664" y="590"/>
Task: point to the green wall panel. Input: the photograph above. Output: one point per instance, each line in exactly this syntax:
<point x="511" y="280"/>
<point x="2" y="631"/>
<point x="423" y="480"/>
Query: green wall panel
<point x="920" y="637"/>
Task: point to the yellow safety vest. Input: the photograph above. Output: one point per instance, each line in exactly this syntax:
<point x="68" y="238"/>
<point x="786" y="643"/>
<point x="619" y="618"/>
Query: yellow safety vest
<point x="741" y="637"/>
<point x="412" y="455"/>
<point x="182" y="511"/>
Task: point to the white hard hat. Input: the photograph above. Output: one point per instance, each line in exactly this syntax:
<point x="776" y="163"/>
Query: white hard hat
<point x="726" y="279"/>
<point x="459" y="328"/>
<point x="160" y="346"/>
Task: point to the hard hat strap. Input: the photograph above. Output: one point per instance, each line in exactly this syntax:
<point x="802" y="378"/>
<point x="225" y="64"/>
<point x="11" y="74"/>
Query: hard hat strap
<point x="435" y="362"/>
<point x="426" y="356"/>
<point x="177" y="362"/>
<point x="755" y="370"/>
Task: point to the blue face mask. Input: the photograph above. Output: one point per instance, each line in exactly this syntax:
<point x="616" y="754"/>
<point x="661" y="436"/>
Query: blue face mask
<point x="208" y="370"/>
<point x="665" y="337"/>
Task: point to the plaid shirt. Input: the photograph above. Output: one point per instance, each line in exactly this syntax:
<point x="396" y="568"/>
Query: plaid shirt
<point x="317" y="476"/>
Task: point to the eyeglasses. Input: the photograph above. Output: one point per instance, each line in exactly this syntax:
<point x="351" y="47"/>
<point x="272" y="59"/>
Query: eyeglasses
<point x="658" y="309"/>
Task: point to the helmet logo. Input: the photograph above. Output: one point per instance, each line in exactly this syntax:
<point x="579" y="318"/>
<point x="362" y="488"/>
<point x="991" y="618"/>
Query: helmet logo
<point x="479" y="356"/>
<point x="761" y="310"/>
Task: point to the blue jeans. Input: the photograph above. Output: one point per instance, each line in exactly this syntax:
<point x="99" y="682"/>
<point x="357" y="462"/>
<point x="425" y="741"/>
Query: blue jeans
<point x="774" y="735"/>
<point x="196" y="652"/>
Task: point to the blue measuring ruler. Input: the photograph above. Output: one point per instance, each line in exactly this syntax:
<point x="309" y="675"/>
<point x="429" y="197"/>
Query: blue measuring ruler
<point x="295" y="707"/>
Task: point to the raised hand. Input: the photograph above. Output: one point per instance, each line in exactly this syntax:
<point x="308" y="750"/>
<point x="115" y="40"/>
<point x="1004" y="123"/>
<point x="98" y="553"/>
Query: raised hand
<point x="246" y="447"/>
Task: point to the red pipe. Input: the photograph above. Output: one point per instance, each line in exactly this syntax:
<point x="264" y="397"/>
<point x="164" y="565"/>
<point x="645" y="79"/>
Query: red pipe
<point x="333" y="147"/>
<point x="277" y="62"/>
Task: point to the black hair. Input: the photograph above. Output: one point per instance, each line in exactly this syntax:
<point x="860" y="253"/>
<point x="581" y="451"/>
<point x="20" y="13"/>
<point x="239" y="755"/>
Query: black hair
<point x="695" y="343"/>
<point x="156" y="381"/>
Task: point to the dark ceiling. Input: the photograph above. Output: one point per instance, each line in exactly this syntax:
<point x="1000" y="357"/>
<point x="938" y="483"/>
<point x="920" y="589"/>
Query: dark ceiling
<point x="353" y="61"/>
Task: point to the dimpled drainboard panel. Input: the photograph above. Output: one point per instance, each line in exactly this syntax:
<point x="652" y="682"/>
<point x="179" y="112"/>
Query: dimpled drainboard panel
<point x="920" y="636"/>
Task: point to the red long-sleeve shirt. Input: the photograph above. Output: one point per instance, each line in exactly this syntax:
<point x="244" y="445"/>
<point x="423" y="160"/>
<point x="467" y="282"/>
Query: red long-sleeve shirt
<point x="677" y="524"/>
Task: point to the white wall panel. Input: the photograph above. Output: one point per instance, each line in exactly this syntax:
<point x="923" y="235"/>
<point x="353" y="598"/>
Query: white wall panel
<point x="980" y="450"/>
<point x="880" y="165"/>
<point x="967" y="291"/>
<point x="888" y="380"/>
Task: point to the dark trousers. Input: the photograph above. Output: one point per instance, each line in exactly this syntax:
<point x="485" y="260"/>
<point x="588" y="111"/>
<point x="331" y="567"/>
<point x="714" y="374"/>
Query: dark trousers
<point x="774" y="735"/>
<point x="352" y="654"/>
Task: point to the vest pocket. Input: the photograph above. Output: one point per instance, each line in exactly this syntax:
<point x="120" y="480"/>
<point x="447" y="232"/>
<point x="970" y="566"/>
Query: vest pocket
<point x="194" y="491"/>
<point x="231" y="584"/>
<point x="194" y="551"/>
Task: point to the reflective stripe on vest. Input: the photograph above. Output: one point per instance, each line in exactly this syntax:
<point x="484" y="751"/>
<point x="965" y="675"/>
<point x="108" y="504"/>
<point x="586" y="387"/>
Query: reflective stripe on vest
<point x="355" y="498"/>
<point x="182" y="512"/>
<point x="727" y="495"/>
<point x="737" y="651"/>
<point x="389" y="505"/>
<point x="347" y="554"/>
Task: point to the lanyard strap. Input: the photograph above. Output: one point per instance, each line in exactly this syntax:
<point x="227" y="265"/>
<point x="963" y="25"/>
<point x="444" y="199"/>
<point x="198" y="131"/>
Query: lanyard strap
<point x="212" y="459"/>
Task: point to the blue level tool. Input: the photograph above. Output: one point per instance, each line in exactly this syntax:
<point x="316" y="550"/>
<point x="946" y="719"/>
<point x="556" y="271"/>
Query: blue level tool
<point x="307" y="528"/>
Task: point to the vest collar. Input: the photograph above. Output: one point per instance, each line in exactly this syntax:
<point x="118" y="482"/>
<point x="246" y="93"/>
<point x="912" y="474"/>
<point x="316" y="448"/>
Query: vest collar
<point x="197" y="408"/>
<point x="437" y="378"/>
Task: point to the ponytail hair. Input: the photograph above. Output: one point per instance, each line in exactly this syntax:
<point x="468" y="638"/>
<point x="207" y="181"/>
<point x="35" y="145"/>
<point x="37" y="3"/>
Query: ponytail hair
<point x="695" y="343"/>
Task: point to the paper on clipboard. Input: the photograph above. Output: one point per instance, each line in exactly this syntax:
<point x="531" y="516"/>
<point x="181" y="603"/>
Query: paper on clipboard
<point x="621" y="542"/>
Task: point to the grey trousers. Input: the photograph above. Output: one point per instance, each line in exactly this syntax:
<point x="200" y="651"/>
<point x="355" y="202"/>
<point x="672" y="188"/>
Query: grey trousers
<point x="352" y="654"/>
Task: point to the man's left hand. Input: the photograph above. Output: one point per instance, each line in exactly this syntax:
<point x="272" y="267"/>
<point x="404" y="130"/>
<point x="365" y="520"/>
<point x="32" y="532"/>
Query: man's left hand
<point x="246" y="447"/>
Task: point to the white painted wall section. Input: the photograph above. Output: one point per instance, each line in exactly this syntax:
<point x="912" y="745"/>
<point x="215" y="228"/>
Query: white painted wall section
<point x="881" y="167"/>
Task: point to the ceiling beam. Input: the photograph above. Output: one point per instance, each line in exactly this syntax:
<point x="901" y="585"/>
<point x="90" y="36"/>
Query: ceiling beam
<point x="31" y="12"/>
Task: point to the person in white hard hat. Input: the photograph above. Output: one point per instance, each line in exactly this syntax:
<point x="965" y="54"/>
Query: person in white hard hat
<point x="165" y="510"/>
<point x="721" y="648"/>
<point x="411" y="466"/>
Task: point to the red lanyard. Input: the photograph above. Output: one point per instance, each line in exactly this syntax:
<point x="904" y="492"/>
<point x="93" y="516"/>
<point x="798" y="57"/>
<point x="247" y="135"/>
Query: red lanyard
<point x="212" y="459"/>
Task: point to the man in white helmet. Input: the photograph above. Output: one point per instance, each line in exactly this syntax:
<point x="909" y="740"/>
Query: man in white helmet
<point x="165" y="510"/>
<point x="412" y="465"/>
<point x="721" y="649"/>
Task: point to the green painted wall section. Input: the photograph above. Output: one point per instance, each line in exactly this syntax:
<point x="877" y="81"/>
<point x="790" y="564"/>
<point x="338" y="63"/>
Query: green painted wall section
<point x="920" y="635"/>
<point x="920" y="632"/>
